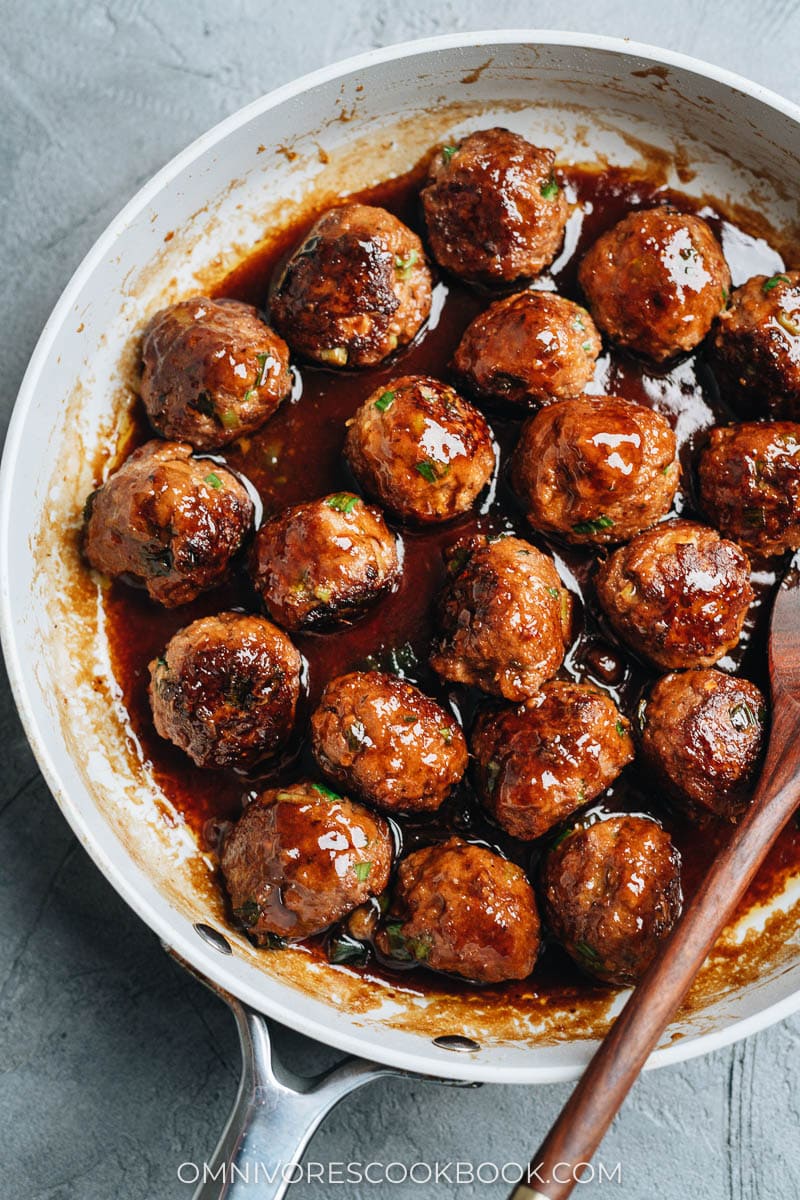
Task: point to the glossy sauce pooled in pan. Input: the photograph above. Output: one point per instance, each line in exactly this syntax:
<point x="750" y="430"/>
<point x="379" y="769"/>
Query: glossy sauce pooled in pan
<point x="297" y="456"/>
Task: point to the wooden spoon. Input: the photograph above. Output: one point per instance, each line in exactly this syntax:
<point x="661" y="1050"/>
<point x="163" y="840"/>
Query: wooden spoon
<point x="601" y="1090"/>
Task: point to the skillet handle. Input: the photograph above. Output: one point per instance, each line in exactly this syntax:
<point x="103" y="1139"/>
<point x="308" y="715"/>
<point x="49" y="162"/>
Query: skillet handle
<point x="273" y="1117"/>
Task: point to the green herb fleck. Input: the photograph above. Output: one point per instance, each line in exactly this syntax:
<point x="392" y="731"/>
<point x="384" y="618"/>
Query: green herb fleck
<point x="595" y="525"/>
<point x="743" y="717"/>
<point x="362" y="870"/>
<point x="342" y="949"/>
<point x="562" y="837"/>
<point x="336" y="355"/>
<point x="589" y="954"/>
<point x="247" y="914"/>
<point x="385" y="400"/>
<point x="554" y="592"/>
<point x="343" y="502"/>
<point x="162" y="662"/>
<point x="325" y="791"/>
<point x="230" y="419"/>
<point x="406" y="948"/>
<point x="550" y="189"/>
<point x="586" y="347"/>
<point x="404" y="265"/>
<point x="620" y="729"/>
<point x="214" y="480"/>
<point x="773" y="282"/>
<point x="448" y="152"/>
<point x="447" y="734"/>
<point x="430" y="471"/>
<point x="355" y="736"/>
<point x="725" y="297"/>
<point x="789" y="324"/>
<point x="261" y="377"/>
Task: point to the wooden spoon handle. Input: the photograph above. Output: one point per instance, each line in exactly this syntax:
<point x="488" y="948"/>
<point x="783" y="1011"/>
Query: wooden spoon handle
<point x="601" y="1090"/>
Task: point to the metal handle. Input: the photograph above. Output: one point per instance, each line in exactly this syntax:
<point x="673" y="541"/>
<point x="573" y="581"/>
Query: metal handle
<point x="274" y="1115"/>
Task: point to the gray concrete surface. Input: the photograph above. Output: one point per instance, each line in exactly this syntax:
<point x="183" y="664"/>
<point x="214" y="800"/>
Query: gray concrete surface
<point x="114" y="1066"/>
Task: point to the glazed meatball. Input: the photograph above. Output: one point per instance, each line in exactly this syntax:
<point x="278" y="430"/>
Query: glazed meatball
<point x="301" y="857"/>
<point x="537" y="764"/>
<point x="611" y="893"/>
<point x="323" y="562"/>
<point x="225" y="690"/>
<point x="461" y="908"/>
<point x="656" y="281"/>
<point x="750" y="485"/>
<point x="168" y="522"/>
<point x="755" y="348"/>
<point x="355" y="289"/>
<point x="677" y="595"/>
<point x="386" y="742"/>
<point x="493" y="208"/>
<point x="528" y="349"/>
<point x="505" y="621"/>
<point x="702" y="736"/>
<point x="212" y="371"/>
<point x="420" y="449"/>
<point x="595" y="469"/>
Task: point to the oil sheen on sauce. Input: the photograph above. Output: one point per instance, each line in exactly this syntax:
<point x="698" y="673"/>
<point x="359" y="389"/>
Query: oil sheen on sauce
<point x="298" y="456"/>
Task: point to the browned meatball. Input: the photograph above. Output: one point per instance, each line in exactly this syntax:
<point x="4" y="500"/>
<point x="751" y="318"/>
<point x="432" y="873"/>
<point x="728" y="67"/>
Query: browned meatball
<point x="493" y="208"/>
<point x="225" y="690"/>
<point x="505" y="621"/>
<point x="356" y="288"/>
<point x="596" y="469"/>
<point x="301" y="857"/>
<point x="387" y="742"/>
<point x="167" y="522"/>
<point x="537" y="764"/>
<point x="611" y="894"/>
<point x="702" y="736"/>
<point x="750" y="485"/>
<point x="420" y="449"/>
<point x="656" y="281"/>
<point x="323" y="562"/>
<point x="755" y="349"/>
<point x="463" y="909"/>
<point x="531" y="348"/>
<point x="212" y="371"/>
<point x="677" y="594"/>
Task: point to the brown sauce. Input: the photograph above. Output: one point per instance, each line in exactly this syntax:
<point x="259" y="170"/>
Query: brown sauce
<point x="298" y="455"/>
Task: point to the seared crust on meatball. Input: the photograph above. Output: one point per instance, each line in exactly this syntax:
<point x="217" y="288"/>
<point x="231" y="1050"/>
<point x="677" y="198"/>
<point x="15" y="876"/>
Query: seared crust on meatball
<point x="750" y="484"/>
<point x="356" y="288"/>
<point x="323" y="562"/>
<point x="595" y="469"/>
<point x="168" y="522"/>
<point x="656" y="281"/>
<point x="461" y="908"/>
<point x="299" y="858"/>
<point x="505" y="621"/>
<point x="385" y="741"/>
<point x="537" y="764"/>
<point x="611" y="893"/>
<point x="528" y="349"/>
<point x="225" y="690"/>
<point x="212" y="371"/>
<point x="755" y="348"/>
<point x="420" y="450"/>
<point x="493" y="208"/>
<point x="677" y="595"/>
<point x="702" y="737"/>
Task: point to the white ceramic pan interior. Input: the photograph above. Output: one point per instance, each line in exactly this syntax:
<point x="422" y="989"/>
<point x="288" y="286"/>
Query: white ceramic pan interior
<point x="335" y="131"/>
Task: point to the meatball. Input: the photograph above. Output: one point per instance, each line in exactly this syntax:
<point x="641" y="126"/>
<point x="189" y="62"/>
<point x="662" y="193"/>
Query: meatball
<point x="656" y="281"/>
<point x="420" y="449"/>
<point x="537" y="764"/>
<point x="702" y="736"/>
<point x="323" y="562"/>
<point x="750" y="485"/>
<point x="226" y="690"/>
<point x="595" y="469"/>
<point x="611" y="893"/>
<point x="528" y="349"/>
<point x="168" y="522"/>
<point x="356" y="288"/>
<point x="493" y="208"/>
<point x="212" y="371"/>
<point x="387" y="742"/>
<point x="461" y="908"/>
<point x="505" y="621"/>
<point x="677" y="595"/>
<point x="301" y="857"/>
<point x="755" y="349"/>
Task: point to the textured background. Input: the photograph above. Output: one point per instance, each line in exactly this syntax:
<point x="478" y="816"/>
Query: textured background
<point x="114" y="1065"/>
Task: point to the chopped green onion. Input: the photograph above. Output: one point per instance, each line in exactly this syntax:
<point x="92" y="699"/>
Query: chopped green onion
<point x="362" y="870"/>
<point x="325" y="791"/>
<point x="261" y="377"/>
<point x="342" y="949"/>
<point x="404" y="265"/>
<point x="743" y="717"/>
<point x="550" y="189"/>
<point x="791" y="326"/>
<point x="586" y="347"/>
<point x="230" y="419"/>
<point x="554" y="592"/>
<point x="447" y="735"/>
<point x="589" y="953"/>
<point x="595" y="525"/>
<point x="214" y="480"/>
<point x="620" y="729"/>
<point x="343" y="502"/>
<point x="773" y="282"/>
<point x="337" y="355"/>
<point x="562" y="837"/>
<point x="406" y="948"/>
<point x="385" y="400"/>
<point x="427" y="469"/>
<point x="448" y="152"/>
